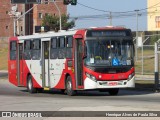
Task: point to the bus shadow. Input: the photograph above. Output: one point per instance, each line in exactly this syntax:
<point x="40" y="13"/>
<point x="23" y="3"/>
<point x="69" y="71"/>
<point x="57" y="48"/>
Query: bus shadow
<point x="122" y="92"/>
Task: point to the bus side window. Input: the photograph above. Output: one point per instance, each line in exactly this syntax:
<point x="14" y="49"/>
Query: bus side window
<point x="13" y="48"/>
<point x="27" y="49"/>
<point x="61" y="45"/>
<point x="36" y="49"/>
<point x="54" y="50"/>
<point x="69" y="46"/>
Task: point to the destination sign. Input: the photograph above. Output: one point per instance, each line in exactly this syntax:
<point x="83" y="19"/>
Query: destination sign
<point x="108" y="33"/>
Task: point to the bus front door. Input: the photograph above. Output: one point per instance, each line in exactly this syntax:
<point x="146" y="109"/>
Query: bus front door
<point x="79" y="62"/>
<point x="45" y="64"/>
<point x="20" y="64"/>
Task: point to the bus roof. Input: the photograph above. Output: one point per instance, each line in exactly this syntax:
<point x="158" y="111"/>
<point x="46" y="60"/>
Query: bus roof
<point x="65" y="33"/>
<point x="48" y="34"/>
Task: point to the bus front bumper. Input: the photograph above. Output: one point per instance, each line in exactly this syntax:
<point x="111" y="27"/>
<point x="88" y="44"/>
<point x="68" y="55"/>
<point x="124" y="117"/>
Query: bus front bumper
<point x="91" y="84"/>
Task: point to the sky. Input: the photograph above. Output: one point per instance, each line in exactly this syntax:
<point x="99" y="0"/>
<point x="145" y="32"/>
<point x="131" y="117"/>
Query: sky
<point x="113" y="6"/>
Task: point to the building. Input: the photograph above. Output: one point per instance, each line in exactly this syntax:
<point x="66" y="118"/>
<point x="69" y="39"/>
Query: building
<point x="26" y="25"/>
<point x="153" y="15"/>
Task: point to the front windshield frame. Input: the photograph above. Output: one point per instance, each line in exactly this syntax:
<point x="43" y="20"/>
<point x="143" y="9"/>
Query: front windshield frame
<point x="109" y="53"/>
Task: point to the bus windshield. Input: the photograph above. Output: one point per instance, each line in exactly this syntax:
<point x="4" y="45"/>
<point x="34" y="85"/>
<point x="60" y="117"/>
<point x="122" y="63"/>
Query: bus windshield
<point x="109" y="53"/>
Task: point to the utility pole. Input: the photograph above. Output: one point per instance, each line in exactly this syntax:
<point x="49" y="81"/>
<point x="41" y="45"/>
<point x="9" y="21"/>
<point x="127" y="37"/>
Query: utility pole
<point x="24" y="21"/>
<point x="14" y="27"/>
<point x="136" y="51"/>
<point x="13" y="13"/>
<point x="156" y="71"/>
<point x="110" y="17"/>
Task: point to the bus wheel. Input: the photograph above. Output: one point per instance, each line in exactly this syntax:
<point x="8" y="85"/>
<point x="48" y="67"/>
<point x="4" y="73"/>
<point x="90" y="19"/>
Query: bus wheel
<point x="69" y="87"/>
<point x="30" y="87"/>
<point x="113" y="91"/>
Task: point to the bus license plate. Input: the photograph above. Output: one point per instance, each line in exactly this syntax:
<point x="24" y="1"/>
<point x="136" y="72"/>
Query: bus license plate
<point x="112" y="83"/>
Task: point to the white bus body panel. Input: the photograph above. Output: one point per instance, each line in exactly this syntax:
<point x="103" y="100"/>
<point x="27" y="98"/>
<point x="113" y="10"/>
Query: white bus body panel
<point x="56" y="69"/>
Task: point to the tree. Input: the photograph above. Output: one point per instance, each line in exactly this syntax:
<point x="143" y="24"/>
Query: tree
<point x="53" y="22"/>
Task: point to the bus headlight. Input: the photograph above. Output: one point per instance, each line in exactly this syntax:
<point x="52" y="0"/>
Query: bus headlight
<point x="91" y="77"/>
<point x="130" y="76"/>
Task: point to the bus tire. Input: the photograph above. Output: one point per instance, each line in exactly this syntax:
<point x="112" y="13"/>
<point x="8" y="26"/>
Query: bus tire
<point x="113" y="91"/>
<point x="69" y="87"/>
<point x="30" y="87"/>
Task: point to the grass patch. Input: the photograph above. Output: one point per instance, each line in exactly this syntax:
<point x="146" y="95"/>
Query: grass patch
<point x="146" y="52"/>
<point x="148" y="61"/>
<point x="4" y="59"/>
<point x="148" y="65"/>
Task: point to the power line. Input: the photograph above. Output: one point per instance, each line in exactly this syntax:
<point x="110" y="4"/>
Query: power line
<point x="114" y="16"/>
<point x="116" y="12"/>
<point x="150" y="7"/>
<point x="92" y="8"/>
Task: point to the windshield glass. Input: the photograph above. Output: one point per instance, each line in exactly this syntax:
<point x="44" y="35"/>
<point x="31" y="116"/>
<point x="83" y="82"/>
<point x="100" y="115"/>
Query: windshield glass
<point x="109" y="53"/>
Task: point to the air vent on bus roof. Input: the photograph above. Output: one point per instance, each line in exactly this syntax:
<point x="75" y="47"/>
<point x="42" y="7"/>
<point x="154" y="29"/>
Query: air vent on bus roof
<point x="71" y="29"/>
<point x="92" y="27"/>
<point x="36" y="33"/>
<point x="62" y="31"/>
<point x="110" y="26"/>
<point x="122" y="26"/>
<point x="51" y="32"/>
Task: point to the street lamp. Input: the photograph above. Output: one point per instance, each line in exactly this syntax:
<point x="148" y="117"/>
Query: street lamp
<point x="110" y="17"/>
<point x="59" y="12"/>
<point x="15" y="15"/>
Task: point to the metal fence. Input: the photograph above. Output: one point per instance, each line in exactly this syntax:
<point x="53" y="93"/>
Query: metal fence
<point x="144" y="60"/>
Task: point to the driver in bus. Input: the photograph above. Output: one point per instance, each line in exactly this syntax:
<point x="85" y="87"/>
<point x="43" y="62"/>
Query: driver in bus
<point x="123" y="57"/>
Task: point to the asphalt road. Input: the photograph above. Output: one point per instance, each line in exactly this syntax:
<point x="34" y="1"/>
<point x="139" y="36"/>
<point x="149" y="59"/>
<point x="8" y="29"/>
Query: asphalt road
<point x="14" y="98"/>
